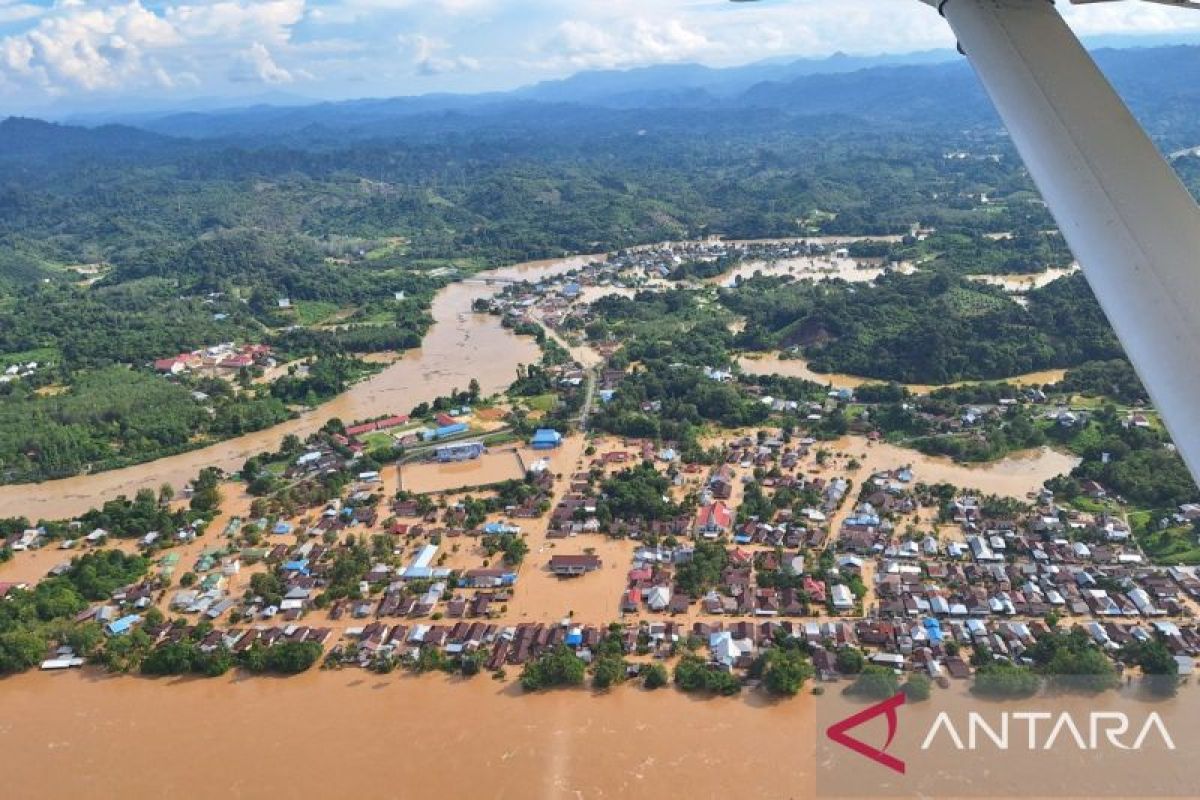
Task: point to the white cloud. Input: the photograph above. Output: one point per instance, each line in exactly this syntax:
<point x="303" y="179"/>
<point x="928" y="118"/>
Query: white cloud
<point x="13" y="11"/>
<point x="586" y="45"/>
<point x="81" y="46"/>
<point x="428" y="56"/>
<point x="269" y="20"/>
<point x="76" y="47"/>
<point x="87" y="48"/>
<point x="257" y="65"/>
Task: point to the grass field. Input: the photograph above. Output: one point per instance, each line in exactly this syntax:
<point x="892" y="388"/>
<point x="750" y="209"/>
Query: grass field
<point x="542" y="402"/>
<point x="312" y="312"/>
<point x="42" y="355"/>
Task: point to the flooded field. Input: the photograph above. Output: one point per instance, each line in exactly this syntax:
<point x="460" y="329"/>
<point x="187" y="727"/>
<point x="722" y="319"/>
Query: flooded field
<point x="460" y="346"/>
<point x="1023" y="283"/>
<point x="818" y="269"/>
<point x="30" y="566"/>
<point x="491" y="467"/>
<point x="1016" y="475"/>
<point x="353" y="734"/>
<point x="773" y="364"/>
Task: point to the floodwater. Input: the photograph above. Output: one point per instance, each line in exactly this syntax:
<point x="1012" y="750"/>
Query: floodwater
<point x="460" y="346"/>
<point x="817" y="269"/>
<point x="799" y="368"/>
<point x="30" y="566"/>
<point x="1018" y="284"/>
<point x="355" y="734"/>
<point x="433" y="476"/>
<point x="1016" y="475"/>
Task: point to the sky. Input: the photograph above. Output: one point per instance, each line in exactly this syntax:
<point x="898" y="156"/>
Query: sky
<point x="80" y="54"/>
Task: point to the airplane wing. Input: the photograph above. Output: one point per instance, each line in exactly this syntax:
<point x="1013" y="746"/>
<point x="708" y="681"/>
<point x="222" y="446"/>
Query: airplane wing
<point x="1125" y="214"/>
<point x="1182" y="3"/>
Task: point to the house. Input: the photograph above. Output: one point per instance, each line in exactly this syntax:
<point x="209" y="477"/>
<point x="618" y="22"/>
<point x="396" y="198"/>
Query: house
<point x="841" y="597"/>
<point x="419" y="567"/>
<point x="713" y="520"/>
<point x="570" y="566"/>
<point x="122" y="626"/>
<point x="546" y="439"/>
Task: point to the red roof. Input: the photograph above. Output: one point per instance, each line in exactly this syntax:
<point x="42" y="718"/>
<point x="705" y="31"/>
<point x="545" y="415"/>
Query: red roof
<point x="356" y="430"/>
<point x="445" y="419"/>
<point x="391" y="422"/>
<point x="716" y="515"/>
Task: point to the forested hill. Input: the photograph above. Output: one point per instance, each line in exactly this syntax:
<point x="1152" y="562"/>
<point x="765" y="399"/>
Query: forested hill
<point x="22" y="139"/>
<point x="1159" y="83"/>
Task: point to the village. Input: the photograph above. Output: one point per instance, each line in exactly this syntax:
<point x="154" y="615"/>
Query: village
<point x="911" y="575"/>
<point x="487" y="534"/>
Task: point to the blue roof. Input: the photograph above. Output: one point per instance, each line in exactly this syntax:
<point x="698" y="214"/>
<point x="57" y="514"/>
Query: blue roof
<point x="299" y="565"/>
<point x="283" y="527"/>
<point x="934" y="629"/>
<point x="546" y="436"/>
<point x="123" y="625"/>
<point x="574" y="638"/>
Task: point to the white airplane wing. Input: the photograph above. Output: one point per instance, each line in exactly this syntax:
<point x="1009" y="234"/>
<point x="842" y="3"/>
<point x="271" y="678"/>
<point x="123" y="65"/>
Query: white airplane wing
<point x="1183" y="3"/>
<point x="1129" y="220"/>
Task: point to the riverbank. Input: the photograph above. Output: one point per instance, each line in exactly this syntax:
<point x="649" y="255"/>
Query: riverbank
<point x="354" y="734"/>
<point x="774" y="364"/>
<point x="460" y="346"/>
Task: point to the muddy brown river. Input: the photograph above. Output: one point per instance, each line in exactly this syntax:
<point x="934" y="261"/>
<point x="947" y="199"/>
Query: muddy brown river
<point x="460" y="346"/>
<point x="355" y="734"/>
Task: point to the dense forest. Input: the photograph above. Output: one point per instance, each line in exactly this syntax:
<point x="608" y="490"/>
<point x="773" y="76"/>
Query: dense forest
<point x="931" y="327"/>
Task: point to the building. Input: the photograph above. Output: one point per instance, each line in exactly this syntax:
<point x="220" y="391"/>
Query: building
<point x="420" y="566"/>
<point x="843" y="599"/>
<point x="460" y="451"/>
<point x="546" y="439"/>
<point x="123" y="625"/>
<point x="574" y="565"/>
<point x="714" y="520"/>
<point x="446" y="431"/>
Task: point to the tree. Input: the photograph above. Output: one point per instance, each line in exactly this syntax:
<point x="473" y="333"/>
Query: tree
<point x="655" y="676"/>
<point x="693" y="674"/>
<point x="1001" y="680"/>
<point x="875" y="682"/>
<point x="556" y="667"/>
<point x="786" y="672"/>
<point x="850" y="660"/>
<point x="917" y="688"/>
<point x="1159" y="667"/>
<point x="608" y="671"/>
<point x="288" y="658"/>
<point x="20" y="649"/>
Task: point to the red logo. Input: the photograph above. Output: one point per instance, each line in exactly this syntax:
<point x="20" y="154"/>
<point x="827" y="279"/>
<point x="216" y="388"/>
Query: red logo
<point x="837" y="732"/>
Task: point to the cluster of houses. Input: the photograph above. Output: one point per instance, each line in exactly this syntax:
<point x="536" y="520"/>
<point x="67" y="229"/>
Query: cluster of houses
<point x="219" y="360"/>
<point x="20" y="370"/>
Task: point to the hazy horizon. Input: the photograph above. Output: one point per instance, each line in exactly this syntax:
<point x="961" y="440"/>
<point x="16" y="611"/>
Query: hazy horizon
<point x="64" y="57"/>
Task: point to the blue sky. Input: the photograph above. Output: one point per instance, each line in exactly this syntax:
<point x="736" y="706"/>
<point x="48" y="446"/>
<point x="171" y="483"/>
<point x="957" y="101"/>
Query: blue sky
<point x="90" y="53"/>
